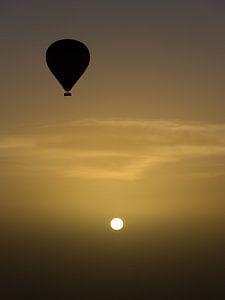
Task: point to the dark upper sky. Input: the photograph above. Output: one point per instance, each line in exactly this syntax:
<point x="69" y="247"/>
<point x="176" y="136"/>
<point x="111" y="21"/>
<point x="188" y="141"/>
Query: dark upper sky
<point x="142" y="138"/>
<point x="158" y="59"/>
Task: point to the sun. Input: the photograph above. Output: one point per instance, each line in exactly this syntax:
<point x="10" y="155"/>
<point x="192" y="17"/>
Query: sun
<point x="116" y="224"/>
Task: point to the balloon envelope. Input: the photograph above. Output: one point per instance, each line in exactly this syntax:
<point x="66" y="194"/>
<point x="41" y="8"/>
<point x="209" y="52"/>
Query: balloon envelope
<point x="67" y="59"/>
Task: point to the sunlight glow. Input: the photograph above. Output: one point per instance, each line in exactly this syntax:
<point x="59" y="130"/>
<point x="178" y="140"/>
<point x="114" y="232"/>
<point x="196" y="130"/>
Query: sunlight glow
<point x="116" y="224"/>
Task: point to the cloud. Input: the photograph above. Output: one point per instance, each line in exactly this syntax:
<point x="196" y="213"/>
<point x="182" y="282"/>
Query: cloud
<point x="110" y="149"/>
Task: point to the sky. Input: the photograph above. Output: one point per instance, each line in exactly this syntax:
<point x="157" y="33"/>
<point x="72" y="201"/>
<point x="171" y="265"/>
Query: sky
<point x="141" y="138"/>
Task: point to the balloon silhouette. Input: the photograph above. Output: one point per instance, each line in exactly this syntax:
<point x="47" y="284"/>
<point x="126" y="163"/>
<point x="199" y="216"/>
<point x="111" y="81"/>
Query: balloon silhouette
<point x="67" y="59"/>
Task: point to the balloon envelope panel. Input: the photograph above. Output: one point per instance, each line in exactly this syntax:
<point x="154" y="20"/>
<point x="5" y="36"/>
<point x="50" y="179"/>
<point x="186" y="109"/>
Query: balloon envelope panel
<point x="67" y="60"/>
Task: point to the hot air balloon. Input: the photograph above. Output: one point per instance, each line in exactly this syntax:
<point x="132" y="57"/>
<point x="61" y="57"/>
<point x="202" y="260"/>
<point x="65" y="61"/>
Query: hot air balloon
<point x="67" y="59"/>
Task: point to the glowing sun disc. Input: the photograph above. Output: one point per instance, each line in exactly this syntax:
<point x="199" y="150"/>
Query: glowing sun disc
<point x="116" y="224"/>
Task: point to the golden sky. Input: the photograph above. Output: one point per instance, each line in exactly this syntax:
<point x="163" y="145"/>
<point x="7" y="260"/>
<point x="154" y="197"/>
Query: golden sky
<point x="142" y="138"/>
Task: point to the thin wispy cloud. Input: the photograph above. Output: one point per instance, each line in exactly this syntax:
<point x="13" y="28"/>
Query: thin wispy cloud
<point x="109" y="149"/>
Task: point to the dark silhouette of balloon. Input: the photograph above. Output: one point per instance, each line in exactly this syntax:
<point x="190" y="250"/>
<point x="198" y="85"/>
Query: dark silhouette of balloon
<point x="67" y="60"/>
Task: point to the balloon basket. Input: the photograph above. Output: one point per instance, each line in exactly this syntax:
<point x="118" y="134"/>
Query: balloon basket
<point x="67" y="94"/>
